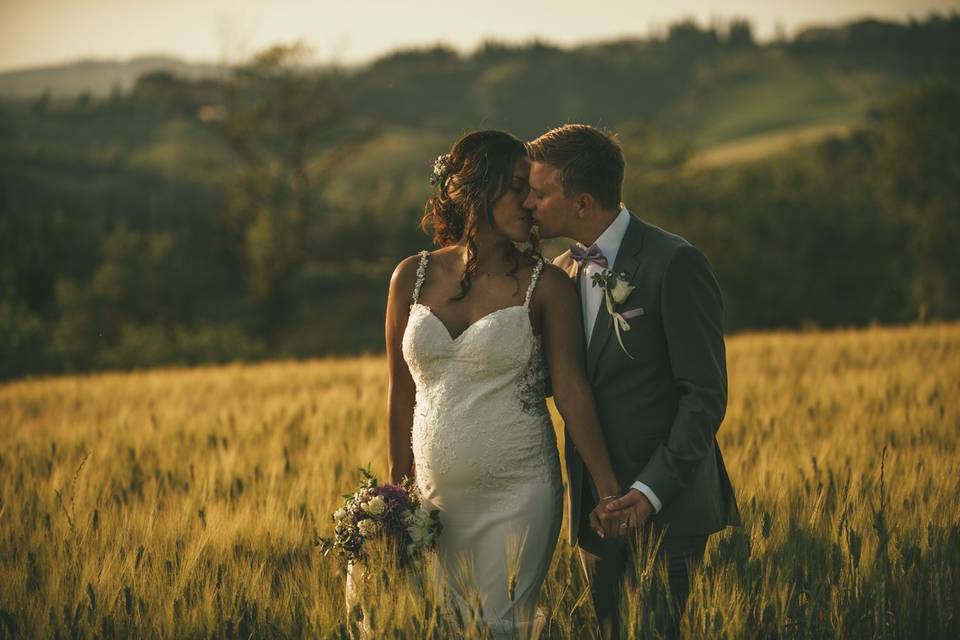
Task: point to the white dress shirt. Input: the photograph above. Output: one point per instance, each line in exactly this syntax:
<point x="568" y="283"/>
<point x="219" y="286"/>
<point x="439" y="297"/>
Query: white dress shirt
<point x="592" y="297"/>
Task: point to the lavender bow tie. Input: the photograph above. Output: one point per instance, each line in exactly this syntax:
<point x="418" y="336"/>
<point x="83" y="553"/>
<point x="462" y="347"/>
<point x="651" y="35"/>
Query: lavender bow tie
<point x="584" y="255"/>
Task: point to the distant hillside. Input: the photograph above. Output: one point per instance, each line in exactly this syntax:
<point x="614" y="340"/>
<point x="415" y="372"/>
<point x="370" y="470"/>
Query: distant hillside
<point x="195" y="216"/>
<point x="936" y="38"/>
<point x="99" y="78"/>
<point x="714" y="91"/>
<point x="763" y="145"/>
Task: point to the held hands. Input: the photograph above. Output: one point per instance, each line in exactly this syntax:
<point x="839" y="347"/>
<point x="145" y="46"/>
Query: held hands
<point x="617" y="517"/>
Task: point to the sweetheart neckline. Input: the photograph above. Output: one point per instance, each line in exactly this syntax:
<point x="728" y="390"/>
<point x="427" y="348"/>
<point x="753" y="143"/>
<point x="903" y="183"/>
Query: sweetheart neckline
<point x="475" y="322"/>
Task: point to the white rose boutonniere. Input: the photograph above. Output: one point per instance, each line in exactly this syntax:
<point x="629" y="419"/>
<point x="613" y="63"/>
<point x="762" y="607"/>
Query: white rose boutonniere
<point x="621" y="290"/>
<point x="616" y="289"/>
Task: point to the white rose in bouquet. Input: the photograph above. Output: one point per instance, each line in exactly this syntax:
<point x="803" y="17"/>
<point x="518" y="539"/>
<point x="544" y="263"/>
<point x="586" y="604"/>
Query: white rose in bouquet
<point x="368" y="528"/>
<point x="377" y="506"/>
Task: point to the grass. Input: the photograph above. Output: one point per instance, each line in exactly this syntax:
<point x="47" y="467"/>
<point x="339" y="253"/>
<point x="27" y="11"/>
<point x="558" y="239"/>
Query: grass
<point x="742" y="98"/>
<point x="765" y="145"/>
<point x="186" y="502"/>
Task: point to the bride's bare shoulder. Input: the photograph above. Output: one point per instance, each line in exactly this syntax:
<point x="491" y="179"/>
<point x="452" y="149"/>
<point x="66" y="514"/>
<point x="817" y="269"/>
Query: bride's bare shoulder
<point x="404" y="277"/>
<point x="556" y="276"/>
<point x="554" y="283"/>
<point x="405" y="269"/>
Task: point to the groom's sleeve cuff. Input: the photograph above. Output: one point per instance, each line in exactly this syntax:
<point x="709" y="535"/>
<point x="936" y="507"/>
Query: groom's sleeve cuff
<point x="651" y="496"/>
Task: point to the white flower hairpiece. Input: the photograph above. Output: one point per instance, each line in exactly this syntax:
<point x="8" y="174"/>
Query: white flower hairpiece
<point x="441" y="170"/>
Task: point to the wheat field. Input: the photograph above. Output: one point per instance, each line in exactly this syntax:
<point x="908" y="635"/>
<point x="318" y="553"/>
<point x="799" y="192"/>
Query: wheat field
<point x="187" y="502"/>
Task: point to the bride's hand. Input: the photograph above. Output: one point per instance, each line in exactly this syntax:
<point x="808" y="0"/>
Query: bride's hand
<point x="603" y="523"/>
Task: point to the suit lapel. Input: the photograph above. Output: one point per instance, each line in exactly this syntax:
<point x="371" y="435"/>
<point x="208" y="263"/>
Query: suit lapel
<point x="598" y="339"/>
<point x="628" y="261"/>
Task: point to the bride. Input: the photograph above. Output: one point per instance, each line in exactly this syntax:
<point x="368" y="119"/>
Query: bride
<point x="472" y="331"/>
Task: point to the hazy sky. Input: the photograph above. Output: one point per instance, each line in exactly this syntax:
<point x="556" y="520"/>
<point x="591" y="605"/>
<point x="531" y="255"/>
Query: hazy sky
<point x="35" y="32"/>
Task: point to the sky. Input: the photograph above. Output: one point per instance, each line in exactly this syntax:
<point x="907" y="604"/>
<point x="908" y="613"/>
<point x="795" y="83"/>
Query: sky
<point x="46" y="32"/>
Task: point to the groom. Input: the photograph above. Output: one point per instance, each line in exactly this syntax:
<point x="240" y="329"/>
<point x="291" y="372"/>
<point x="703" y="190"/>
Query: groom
<point x="658" y="371"/>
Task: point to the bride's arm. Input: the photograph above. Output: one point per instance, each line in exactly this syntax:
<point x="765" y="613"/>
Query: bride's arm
<point x="563" y="342"/>
<point x="401" y="391"/>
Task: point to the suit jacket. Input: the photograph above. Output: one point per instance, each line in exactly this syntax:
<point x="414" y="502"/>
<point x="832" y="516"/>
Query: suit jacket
<point x="661" y="410"/>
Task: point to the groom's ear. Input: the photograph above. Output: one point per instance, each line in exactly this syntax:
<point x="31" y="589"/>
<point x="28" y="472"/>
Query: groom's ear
<point x="584" y="203"/>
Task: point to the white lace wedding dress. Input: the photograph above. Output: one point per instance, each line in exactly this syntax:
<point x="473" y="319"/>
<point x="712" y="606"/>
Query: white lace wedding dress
<point x="486" y="455"/>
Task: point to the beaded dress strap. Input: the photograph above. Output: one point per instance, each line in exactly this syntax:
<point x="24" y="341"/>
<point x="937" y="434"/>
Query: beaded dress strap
<point x="421" y="275"/>
<point x="533" y="283"/>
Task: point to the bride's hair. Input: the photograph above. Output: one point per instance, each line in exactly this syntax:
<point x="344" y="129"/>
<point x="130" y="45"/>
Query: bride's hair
<point x="474" y="175"/>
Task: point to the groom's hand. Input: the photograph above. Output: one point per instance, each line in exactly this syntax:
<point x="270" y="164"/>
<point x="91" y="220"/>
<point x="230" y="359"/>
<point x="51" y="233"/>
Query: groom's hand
<point x="603" y="524"/>
<point x="632" y="509"/>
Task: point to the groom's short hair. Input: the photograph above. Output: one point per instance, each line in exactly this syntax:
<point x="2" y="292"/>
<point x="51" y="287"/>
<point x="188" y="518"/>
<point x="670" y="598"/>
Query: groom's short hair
<point x="589" y="161"/>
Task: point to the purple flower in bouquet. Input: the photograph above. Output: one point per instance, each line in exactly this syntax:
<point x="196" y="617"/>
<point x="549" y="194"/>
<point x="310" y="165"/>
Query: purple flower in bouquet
<point x="396" y="496"/>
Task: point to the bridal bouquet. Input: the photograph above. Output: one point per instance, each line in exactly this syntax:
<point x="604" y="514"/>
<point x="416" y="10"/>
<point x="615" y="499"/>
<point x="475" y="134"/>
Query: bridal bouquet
<point x="389" y="512"/>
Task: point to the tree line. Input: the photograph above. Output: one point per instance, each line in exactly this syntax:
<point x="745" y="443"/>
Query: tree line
<point x="259" y="215"/>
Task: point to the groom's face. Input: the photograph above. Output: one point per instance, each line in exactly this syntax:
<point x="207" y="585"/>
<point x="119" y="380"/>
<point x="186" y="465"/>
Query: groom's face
<point x="552" y="210"/>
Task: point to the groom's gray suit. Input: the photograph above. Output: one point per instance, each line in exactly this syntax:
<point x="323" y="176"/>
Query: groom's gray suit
<point x="660" y="410"/>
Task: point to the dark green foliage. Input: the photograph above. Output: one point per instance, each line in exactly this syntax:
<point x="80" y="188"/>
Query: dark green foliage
<point x="260" y="215"/>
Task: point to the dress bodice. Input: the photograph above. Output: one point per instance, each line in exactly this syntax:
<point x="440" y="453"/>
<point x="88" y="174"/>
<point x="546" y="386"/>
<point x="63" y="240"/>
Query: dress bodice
<point x="485" y="385"/>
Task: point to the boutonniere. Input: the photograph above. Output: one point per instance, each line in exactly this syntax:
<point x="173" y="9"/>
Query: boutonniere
<point x="616" y="289"/>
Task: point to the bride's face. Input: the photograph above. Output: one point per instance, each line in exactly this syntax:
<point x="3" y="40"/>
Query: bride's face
<point x="510" y="217"/>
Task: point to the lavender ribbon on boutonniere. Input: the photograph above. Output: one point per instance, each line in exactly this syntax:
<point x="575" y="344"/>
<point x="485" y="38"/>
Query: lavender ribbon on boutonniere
<point x="616" y="289"/>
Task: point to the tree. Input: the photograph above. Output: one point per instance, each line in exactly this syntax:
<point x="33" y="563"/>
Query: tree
<point x="919" y="159"/>
<point x="288" y="125"/>
<point x="740" y="33"/>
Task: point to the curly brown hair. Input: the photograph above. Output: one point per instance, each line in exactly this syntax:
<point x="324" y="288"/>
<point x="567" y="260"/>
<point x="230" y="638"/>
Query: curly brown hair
<point x="477" y="173"/>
